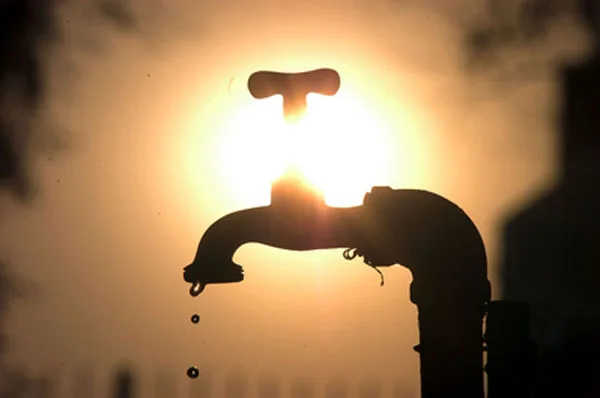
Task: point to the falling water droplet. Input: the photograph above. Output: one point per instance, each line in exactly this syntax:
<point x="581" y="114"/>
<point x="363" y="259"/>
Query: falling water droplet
<point x="192" y="372"/>
<point x="195" y="318"/>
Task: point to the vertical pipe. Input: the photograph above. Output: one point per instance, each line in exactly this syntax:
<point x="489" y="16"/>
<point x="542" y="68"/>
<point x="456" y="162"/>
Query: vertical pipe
<point x="451" y="351"/>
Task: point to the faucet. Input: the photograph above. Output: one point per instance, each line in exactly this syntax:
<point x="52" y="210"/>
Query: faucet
<point x="420" y="230"/>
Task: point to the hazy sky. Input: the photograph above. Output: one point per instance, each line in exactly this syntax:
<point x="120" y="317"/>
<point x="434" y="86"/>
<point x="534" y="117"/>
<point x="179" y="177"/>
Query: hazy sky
<point x="151" y="160"/>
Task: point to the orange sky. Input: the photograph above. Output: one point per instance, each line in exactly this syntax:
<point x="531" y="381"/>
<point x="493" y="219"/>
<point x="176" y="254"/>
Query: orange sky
<point x="121" y="210"/>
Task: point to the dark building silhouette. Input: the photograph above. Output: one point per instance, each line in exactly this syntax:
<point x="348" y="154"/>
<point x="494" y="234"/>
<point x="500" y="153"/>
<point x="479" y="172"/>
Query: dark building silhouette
<point x="552" y="247"/>
<point x="511" y="354"/>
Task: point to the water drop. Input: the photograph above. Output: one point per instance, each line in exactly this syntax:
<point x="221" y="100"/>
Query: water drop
<point x="196" y="289"/>
<point x="195" y="318"/>
<point x="192" y="372"/>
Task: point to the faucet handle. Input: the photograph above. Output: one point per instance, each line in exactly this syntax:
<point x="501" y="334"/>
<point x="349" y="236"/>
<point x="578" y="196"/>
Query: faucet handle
<point x="294" y="87"/>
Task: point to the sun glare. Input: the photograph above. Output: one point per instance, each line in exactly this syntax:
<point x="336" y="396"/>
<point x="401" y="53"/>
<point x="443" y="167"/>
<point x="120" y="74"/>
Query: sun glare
<point x="340" y="147"/>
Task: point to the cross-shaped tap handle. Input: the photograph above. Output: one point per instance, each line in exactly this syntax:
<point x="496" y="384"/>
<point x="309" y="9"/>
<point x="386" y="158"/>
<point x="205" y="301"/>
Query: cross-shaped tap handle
<point x="294" y="87"/>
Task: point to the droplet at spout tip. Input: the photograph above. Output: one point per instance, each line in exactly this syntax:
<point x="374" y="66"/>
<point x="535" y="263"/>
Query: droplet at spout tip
<point x="196" y="289"/>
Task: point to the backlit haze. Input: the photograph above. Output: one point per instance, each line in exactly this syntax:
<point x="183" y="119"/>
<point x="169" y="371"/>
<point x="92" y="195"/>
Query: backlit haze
<point x="163" y="139"/>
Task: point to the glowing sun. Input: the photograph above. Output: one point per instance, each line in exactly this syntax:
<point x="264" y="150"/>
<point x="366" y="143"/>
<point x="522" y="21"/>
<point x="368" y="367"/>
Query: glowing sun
<point x="340" y="147"/>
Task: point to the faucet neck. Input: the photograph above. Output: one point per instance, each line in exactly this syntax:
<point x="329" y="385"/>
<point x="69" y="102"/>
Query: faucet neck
<point x="291" y="190"/>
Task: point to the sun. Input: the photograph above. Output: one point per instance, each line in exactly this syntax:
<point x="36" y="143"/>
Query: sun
<point x="340" y="147"/>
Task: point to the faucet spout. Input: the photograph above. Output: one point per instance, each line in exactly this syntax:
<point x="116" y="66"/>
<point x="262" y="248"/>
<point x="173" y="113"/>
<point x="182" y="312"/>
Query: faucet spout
<point x="291" y="226"/>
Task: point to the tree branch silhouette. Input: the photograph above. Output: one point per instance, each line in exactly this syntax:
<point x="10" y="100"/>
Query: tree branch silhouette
<point x="28" y="30"/>
<point x="520" y="24"/>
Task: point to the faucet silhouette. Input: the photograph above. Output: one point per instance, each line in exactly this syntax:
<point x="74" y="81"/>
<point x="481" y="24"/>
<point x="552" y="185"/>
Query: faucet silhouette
<point x="420" y="230"/>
